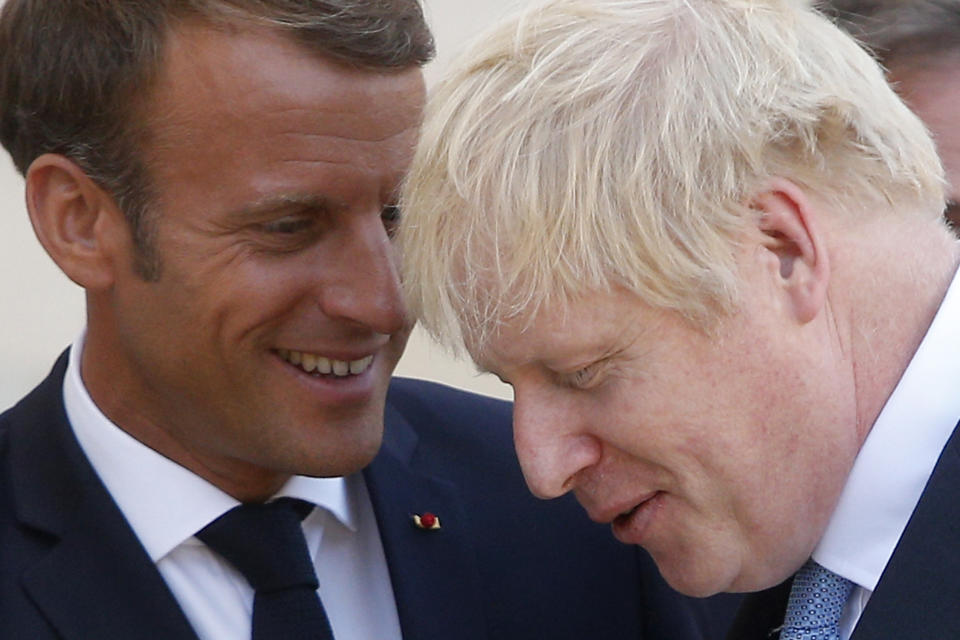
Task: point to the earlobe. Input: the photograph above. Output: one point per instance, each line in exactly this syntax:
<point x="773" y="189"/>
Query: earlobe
<point x="74" y="219"/>
<point x="791" y="235"/>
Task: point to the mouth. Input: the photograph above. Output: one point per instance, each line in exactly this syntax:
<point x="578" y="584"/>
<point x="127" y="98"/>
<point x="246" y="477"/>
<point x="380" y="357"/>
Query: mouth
<point x="620" y="509"/>
<point x="320" y="365"/>
<point x="630" y="526"/>
<point x="626" y="515"/>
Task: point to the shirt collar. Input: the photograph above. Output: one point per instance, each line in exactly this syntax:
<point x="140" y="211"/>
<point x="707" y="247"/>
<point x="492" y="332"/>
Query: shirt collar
<point x="165" y="503"/>
<point x="898" y="455"/>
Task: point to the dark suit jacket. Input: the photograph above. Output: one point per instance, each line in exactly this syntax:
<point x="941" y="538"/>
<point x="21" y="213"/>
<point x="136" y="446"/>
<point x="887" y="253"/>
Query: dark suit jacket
<point x="918" y="595"/>
<point x="503" y="566"/>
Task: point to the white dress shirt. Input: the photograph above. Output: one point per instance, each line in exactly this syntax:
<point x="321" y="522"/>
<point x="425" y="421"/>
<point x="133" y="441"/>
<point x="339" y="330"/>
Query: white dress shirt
<point x="895" y="462"/>
<point x="166" y="505"/>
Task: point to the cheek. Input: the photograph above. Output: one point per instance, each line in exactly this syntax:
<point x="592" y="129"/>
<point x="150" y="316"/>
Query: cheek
<point x="626" y="416"/>
<point x="254" y="293"/>
<point x="727" y="445"/>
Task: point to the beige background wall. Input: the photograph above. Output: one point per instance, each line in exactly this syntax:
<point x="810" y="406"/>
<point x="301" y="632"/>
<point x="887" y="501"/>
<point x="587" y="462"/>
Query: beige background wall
<point x="41" y="311"/>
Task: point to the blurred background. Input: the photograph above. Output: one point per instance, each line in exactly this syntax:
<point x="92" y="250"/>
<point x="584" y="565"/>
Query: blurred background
<point x="41" y="312"/>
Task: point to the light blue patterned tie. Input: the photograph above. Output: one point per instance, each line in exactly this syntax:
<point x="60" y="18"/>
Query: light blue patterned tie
<point x="816" y="602"/>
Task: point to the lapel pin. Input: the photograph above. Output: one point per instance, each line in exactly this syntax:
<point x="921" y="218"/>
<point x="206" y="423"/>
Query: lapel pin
<point x="426" y="521"/>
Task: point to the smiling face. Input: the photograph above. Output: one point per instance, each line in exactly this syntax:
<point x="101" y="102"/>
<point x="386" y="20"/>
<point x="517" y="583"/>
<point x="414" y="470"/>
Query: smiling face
<point x="722" y="455"/>
<point x="265" y="346"/>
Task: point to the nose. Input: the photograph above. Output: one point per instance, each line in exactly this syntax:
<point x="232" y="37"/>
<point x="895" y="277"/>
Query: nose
<point x="362" y="284"/>
<point x="551" y="444"/>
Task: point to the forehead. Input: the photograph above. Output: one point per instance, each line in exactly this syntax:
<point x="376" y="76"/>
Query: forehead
<point x="565" y="333"/>
<point x="235" y="94"/>
<point x="204" y="60"/>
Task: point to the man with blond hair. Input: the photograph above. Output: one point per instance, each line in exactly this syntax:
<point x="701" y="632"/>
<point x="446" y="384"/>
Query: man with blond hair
<point x="702" y="240"/>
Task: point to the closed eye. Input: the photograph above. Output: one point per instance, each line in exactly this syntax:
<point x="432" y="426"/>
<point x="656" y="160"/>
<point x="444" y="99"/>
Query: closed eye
<point x="288" y="225"/>
<point x="584" y="377"/>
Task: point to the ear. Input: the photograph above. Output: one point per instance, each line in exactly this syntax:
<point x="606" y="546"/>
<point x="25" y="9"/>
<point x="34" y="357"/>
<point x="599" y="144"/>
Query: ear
<point x="75" y="220"/>
<point x="792" y="239"/>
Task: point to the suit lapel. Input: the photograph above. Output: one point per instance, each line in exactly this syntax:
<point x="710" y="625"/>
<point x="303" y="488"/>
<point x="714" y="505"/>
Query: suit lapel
<point x="95" y="581"/>
<point x="917" y="596"/>
<point x="434" y="573"/>
<point x="99" y="583"/>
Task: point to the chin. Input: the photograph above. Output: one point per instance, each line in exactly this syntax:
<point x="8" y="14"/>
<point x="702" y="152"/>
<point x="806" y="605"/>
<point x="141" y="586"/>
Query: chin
<point x="694" y="588"/>
<point x="696" y="579"/>
<point x="699" y="583"/>
<point x="339" y="456"/>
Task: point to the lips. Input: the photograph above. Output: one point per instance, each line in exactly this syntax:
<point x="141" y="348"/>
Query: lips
<point x="623" y="508"/>
<point x="631" y="526"/>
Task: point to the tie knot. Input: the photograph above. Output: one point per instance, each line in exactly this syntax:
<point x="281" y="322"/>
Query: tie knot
<point x="265" y="543"/>
<point x="816" y="604"/>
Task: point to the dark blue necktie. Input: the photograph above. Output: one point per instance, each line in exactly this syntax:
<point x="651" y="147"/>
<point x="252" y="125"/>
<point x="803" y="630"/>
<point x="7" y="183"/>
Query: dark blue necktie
<point x="265" y="543"/>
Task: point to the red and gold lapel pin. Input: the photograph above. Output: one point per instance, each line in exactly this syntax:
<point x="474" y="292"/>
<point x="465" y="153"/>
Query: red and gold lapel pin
<point x="427" y="521"/>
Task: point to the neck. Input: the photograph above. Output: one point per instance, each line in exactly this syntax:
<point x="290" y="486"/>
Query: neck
<point x="898" y="279"/>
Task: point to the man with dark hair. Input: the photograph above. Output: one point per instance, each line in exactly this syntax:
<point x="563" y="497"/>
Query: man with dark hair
<point x="220" y="176"/>
<point x="919" y="44"/>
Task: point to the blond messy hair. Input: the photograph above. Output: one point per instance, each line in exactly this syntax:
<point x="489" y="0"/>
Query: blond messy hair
<point x="586" y="144"/>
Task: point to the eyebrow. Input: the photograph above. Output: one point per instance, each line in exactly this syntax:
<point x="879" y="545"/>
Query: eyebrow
<point x="274" y="203"/>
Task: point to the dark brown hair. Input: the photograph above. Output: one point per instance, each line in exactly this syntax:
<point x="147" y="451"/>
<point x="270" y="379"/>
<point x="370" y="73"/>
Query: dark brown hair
<point x="74" y="74"/>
